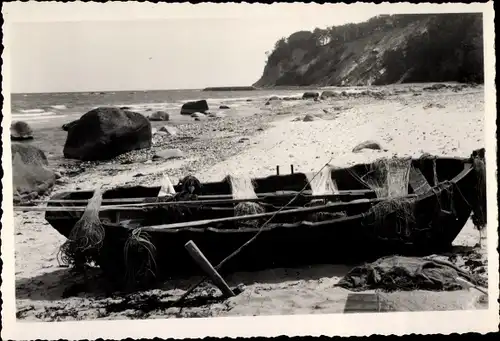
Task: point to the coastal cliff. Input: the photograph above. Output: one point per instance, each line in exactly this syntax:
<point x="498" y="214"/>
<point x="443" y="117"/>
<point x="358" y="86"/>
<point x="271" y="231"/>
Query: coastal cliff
<point x="386" y="49"/>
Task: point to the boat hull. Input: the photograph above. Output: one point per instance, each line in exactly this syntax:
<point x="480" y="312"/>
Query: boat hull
<point x="426" y="224"/>
<point x="437" y="219"/>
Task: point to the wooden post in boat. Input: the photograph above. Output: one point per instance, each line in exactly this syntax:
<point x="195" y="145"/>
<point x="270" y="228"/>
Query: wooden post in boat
<point x="291" y="168"/>
<point x="277" y="170"/>
<point x="203" y="262"/>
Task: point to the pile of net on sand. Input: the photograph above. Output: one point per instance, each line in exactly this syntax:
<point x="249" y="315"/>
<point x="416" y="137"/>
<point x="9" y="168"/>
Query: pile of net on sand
<point x="389" y="177"/>
<point x="396" y="273"/>
<point x="86" y="237"/>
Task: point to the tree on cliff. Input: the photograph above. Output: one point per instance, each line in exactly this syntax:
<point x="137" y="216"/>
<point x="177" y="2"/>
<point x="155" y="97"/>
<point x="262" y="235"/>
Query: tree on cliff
<point x="445" y="47"/>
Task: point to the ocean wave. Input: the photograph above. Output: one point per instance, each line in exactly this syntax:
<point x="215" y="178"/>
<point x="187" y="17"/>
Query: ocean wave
<point x="58" y="107"/>
<point x="30" y="111"/>
<point x="216" y="101"/>
<point x="37" y="118"/>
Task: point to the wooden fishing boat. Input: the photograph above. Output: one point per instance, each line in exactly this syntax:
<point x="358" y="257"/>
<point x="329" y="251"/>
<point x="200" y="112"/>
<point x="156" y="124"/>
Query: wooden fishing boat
<point x="441" y="195"/>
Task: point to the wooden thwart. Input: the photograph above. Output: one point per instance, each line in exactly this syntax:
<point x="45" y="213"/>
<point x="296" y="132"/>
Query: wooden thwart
<point x="418" y="182"/>
<point x="205" y="265"/>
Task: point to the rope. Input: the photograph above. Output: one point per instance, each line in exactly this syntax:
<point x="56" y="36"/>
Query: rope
<point x="225" y="260"/>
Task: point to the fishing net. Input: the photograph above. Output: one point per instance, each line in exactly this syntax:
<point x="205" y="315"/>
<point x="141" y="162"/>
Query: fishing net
<point x="248" y="208"/>
<point x="396" y="273"/>
<point x="479" y="202"/>
<point x="86" y="237"/>
<point x="479" y="216"/>
<point x="323" y="183"/>
<point x="394" y="217"/>
<point x="241" y="187"/>
<point x="389" y="177"/>
<point x="190" y="185"/>
<point x="325" y="216"/>
<point x="140" y="258"/>
<point x="167" y="188"/>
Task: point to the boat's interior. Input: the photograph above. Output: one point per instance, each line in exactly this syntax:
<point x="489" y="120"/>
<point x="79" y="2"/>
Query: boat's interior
<point x="352" y="185"/>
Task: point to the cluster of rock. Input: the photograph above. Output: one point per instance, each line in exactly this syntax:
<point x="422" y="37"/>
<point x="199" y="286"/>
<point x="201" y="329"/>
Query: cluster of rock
<point x="328" y="94"/>
<point x="31" y="176"/>
<point x="107" y="132"/>
<point x="453" y="87"/>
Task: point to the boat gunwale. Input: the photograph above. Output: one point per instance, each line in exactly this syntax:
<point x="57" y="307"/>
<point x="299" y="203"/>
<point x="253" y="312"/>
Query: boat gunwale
<point x="161" y="228"/>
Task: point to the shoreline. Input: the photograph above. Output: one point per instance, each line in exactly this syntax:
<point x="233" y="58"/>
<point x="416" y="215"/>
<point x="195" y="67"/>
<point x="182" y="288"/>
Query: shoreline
<point x="404" y="123"/>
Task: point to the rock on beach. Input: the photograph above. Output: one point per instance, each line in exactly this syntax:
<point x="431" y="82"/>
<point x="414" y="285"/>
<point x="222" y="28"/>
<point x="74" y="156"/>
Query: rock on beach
<point x="30" y="175"/>
<point x="160" y="116"/>
<point x="190" y="108"/>
<point x="106" y="132"/>
<point x="20" y="131"/>
<point x="68" y="126"/>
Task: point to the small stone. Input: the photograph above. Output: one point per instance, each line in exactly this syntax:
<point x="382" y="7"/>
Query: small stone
<point x="168" y="154"/>
<point x="308" y="118"/>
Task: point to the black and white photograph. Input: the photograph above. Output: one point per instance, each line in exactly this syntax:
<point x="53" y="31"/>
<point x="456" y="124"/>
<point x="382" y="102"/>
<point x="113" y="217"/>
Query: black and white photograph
<point x="202" y="163"/>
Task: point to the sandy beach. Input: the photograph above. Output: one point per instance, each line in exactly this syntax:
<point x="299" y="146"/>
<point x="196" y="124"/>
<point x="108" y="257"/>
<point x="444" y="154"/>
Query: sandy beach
<point x="253" y="139"/>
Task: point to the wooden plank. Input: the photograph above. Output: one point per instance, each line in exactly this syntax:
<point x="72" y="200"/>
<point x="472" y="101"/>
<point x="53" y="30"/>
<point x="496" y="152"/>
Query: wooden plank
<point x="418" y="182"/>
<point x="205" y="265"/>
<point x="205" y="198"/>
<point x="140" y="206"/>
<point x="329" y="207"/>
<point x="362" y="303"/>
<point x="365" y="303"/>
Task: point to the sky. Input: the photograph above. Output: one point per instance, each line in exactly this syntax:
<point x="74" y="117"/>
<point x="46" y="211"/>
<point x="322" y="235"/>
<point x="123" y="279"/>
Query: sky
<point x="120" y="46"/>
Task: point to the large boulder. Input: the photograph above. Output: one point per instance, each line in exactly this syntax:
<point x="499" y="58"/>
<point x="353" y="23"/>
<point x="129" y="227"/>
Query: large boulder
<point x="190" y="108"/>
<point x="106" y="132"/>
<point x="20" y="131"/>
<point x="328" y="94"/>
<point x="68" y="126"/>
<point x="30" y="175"/>
<point x="160" y="116"/>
